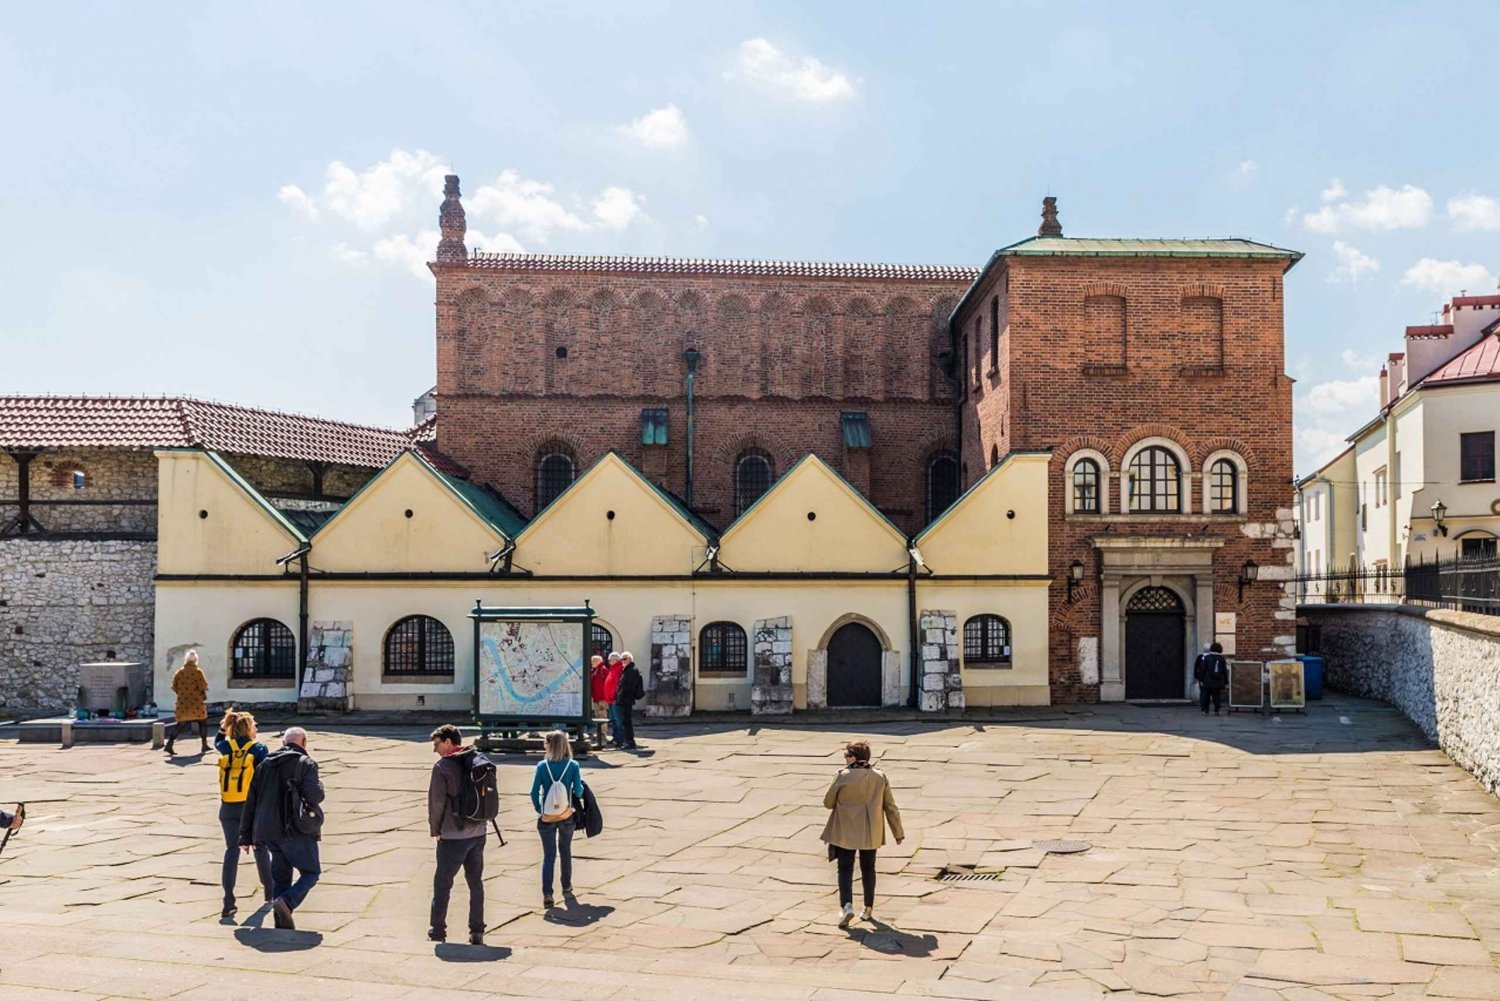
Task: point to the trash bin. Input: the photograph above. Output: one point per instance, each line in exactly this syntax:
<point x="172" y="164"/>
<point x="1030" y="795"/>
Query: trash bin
<point x="1312" y="674"/>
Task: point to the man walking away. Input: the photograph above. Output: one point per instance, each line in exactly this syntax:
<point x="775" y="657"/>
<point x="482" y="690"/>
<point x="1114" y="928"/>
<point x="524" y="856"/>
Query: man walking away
<point x="1211" y="671"/>
<point x="460" y="840"/>
<point x="282" y="812"/>
<point x="632" y="689"/>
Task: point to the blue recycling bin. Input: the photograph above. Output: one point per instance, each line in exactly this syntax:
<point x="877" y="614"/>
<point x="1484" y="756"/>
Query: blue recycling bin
<point x="1312" y="674"/>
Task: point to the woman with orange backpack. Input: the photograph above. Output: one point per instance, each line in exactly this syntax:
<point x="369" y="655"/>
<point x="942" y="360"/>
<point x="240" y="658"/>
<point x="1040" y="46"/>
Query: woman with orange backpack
<point x="240" y="754"/>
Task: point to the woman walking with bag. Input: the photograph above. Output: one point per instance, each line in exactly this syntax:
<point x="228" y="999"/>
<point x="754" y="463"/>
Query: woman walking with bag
<point x="191" y="688"/>
<point x="558" y="779"/>
<point x="862" y="804"/>
<point x="240" y="754"/>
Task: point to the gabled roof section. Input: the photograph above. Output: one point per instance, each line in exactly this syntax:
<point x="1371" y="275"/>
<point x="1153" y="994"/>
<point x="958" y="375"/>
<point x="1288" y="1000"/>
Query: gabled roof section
<point x="667" y="498"/>
<point x="785" y="478"/>
<point x="973" y="491"/>
<point x="604" y="264"/>
<point x="1480" y="362"/>
<point x="255" y="495"/>
<point x="1304" y="481"/>
<point x="488" y="507"/>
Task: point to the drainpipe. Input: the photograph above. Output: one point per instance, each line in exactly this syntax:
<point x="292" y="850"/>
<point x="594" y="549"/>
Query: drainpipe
<point x="914" y="627"/>
<point x="302" y="602"/>
<point x="691" y="357"/>
<point x="1301" y="544"/>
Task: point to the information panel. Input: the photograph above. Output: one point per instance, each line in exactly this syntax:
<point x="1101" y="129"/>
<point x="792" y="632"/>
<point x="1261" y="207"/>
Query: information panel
<point x="1288" y="685"/>
<point x="1246" y="684"/>
<point x="530" y="666"/>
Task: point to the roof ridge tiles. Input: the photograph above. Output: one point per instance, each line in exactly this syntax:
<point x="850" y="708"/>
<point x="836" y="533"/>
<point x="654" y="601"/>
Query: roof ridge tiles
<point x="720" y="266"/>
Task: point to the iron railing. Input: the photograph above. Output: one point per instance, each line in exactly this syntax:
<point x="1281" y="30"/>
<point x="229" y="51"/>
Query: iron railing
<point x="1465" y="584"/>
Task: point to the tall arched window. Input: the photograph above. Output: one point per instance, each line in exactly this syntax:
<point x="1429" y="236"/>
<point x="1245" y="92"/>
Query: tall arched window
<point x="723" y="650"/>
<point x="942" y="485"/>
<point x="1223" y="487"/>
<point x="1155" y="481"/>
<point x="263" y="648"/>
<point x="752" y="477"/>
<point x="554" y="473"/>
<point x="418" y="646"/>
<point x="986" y="642"/>
<point x="601" y="641"/>
<point x="1086" y="495"/>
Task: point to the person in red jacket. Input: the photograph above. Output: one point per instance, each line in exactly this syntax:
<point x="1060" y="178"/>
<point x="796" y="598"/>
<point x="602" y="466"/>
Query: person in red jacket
<point x="596" y="688"/>
<point x="612" y="675"/>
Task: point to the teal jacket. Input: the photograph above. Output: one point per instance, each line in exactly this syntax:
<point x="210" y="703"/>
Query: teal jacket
<point x="548" y="772"/>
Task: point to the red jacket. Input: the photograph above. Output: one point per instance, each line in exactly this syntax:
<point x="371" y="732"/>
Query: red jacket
<point x="612" y="681"/>
<point x="596" y="683"/>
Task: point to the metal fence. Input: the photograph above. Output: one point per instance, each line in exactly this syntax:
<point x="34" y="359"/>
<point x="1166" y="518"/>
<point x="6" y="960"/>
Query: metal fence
<point x="1468" y="585"/>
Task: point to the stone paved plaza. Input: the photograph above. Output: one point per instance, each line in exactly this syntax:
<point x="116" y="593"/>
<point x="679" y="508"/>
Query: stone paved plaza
<point x="1328" y="856"/>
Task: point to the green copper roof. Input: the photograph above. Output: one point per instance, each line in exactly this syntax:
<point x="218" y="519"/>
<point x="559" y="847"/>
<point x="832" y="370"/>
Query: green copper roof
<point x="493" y="509"/>
<point x="254" y="494"/>
<point x="1063" y="246"/>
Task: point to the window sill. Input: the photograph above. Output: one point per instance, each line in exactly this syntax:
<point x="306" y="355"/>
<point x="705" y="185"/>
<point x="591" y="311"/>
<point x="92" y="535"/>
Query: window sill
<point x="724" y="675"/>
<point x="262" y="683"/>
<point x="1489" y="480"/>
<point x="1227" y="519"/>
<point x="987" y="666"/>
<point x="416" y="679"/>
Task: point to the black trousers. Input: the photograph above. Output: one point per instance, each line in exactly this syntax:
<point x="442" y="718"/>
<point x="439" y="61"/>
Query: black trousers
<point x="845" y="860"/>
<point x="626" y="735"/>
<point x="179" y="726"/>
<point x="454" y="854"/>
<point x="1206" y="692"/>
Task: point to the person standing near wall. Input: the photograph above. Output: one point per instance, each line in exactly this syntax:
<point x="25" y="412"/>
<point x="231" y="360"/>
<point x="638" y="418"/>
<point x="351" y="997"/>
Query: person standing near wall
<point x="612" y="675"/>
<point x="600" y="705"/>
<point x="284" y="814"/>
<point x="861" y="803"/>
<point x="1211" y="671"/>
<point x="240" y="755"/>
<point x="191" y="688"/>
<point x="632" y="689"/>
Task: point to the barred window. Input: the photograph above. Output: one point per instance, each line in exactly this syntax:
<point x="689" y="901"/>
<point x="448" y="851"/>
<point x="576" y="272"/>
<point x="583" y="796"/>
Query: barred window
<point x="554" y="474"/>
<point x="263" y="648"/>
<point x="1086" y="487"/>
<point x="1224" y="487"/>
<point x="723" y="650"/>
<point x="1155" y="481"/>
<point x="942" y="485"/>
<point x="601" y="641"/>
<point x="419" y="646"/>
<point x="752" y="478"/>
<point x="986" y="642"/>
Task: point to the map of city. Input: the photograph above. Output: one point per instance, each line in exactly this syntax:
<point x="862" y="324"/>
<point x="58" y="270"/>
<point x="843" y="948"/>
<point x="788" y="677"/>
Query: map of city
<point x="531" y="669"/>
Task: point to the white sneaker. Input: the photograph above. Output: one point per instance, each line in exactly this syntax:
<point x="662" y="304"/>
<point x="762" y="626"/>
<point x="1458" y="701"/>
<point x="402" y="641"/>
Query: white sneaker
<point x="847" y="917"/>
<point x="868" y="914"/>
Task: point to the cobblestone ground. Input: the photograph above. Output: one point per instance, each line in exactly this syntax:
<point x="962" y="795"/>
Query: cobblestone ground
<point x="1326" y="856"/>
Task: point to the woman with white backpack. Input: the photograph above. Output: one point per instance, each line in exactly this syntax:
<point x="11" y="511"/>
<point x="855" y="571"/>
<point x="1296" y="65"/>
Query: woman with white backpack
<point x="558" y="779"/>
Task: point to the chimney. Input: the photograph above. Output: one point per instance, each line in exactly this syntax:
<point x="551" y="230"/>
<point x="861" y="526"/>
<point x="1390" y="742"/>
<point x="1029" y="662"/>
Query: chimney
<point x="451" y="222"/>
<point x="1396" y="364"/>
<point x="1385" y="389"/>
<point x="1050" y="226"/>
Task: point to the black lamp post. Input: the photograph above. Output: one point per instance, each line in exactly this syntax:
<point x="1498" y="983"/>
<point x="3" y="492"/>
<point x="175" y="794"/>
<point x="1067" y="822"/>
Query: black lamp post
<point x="1439" y="512"/>
<point x="1075" y="575"/>
<point x="1249" y="574"/>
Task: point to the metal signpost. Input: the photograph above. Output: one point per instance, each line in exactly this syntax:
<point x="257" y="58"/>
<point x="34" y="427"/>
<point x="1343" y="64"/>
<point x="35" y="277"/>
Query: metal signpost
<point x="531" y="672"/>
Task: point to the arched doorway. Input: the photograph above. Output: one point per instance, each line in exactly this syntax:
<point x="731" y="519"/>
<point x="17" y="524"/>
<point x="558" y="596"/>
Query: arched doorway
<point x="853" y="667"/>
<point x="1155" y="650"/>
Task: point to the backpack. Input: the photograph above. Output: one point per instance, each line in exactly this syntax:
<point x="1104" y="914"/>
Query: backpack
<point x="557" y="803"/>
<point x="478" y="796"/>
<point x="634" y="687"/>
<point x="236" y="769"/>
<point x="301" y="818"/>
<point x="1215" y="671"/>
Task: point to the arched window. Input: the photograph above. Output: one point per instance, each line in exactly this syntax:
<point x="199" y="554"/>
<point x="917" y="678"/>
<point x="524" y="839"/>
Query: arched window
<point x="1223" y="487"/>
<point x="942" y="485"/>
<point x="601" y="640"/>
<point x="723" y="650"/>
<point x="263" y="648"/>
<point x="994" y="456"/>
<point x="1155" y="481"/>
<point x="1086" y="494"/>
<point x="986" y="642"/>
<point x="752" y="477"/>
<point x="418" y="646"/>
<point x="554" y="473"/>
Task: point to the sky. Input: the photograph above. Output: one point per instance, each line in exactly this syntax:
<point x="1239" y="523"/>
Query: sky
<point x="236" y="202"/>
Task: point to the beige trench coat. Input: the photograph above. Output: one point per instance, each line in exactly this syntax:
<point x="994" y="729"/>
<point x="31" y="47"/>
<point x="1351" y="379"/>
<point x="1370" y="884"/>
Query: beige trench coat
<point x="862" y="804"/>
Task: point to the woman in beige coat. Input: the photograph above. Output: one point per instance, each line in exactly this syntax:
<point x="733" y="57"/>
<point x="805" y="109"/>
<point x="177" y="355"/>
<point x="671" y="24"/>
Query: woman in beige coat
<point x="862" y="805"/>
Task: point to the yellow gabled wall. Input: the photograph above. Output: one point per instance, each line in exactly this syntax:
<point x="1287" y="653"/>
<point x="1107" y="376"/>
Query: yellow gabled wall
<point x="847" y="534"/>
<point x="978" y="536"/>
<point x="372" y="532"/>
<point x="238" y="536"/>
<point x="576" y="535"/>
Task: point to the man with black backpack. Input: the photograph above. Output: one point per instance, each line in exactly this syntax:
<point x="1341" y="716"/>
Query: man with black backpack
<point x="1211" y="671"/>
<point x="283" y="813"/>
<point x="460" y="798"/>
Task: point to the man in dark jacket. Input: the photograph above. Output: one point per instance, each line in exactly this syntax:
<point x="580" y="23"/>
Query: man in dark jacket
<point x="632" y="689"/>
<point x="265" y="822"/>
<point x="460" y="841"/>
<point x="1211" y="671"/>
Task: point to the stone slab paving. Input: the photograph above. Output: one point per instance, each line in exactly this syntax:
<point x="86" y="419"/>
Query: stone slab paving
<point x="1332" y="855"/>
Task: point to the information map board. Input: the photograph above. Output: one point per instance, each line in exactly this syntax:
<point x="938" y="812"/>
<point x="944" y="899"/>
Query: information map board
<point x="530" y="665"/>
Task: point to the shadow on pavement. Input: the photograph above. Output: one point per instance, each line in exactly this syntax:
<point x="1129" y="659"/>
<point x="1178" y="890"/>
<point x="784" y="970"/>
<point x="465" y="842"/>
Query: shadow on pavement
<point x="278" y="940"/>
<point x="577" y="915"/>
<point x="454" y="952"/>
<point x="894" y="942"/>
<point x="184" y="760"/>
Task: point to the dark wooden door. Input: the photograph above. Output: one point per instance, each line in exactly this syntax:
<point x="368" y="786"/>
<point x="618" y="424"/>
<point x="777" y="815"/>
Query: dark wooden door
<point x="854" y="667"/>
<point x="1155" y="651"/>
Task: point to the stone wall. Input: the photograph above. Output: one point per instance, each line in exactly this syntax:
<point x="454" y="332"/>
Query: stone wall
<point x="107" y="475"/>
<point x="669" y="689"/>
<point x="64" y="602"/>
<point x="330" y="653"/>
<point x="942" y="681"/>
<point x="1440" y="668"/>
<point x="771" y="694"/>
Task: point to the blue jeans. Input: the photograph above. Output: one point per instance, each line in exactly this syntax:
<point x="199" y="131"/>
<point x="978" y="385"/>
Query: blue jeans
<point x="229" y="820"/>
<point x="614" y="723"/>
<point x="557" y="838"/>
<point x="298" y="853"/>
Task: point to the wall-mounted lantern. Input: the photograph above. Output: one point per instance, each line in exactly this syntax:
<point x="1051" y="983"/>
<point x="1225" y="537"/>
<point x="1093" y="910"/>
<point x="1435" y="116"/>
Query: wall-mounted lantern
<point x="1249" y="574"/>
<point x="1439" y="512"/>
<point x="1075" y="577"/>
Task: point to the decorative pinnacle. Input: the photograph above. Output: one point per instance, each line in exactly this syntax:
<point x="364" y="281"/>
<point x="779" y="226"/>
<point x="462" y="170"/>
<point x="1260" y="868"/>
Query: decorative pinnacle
<point x="1050" y="226"/>
<point x="452" y="224"/>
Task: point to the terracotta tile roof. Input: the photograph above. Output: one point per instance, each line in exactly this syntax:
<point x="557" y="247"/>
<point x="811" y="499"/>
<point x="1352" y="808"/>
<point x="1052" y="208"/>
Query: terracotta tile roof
<point x="714" y="266"/>
<point x="182" y="422"/>
<point x="1480" y="363"/>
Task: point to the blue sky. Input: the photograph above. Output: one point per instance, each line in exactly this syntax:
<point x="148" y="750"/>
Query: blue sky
<point x="233" y="202"/>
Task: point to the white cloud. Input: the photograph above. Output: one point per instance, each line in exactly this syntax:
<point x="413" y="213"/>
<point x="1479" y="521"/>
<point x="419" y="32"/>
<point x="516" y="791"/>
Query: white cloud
<point x="1358" y="362"/>
<point x="1448" y="277"/>
<point x="1334" y="191"/>
<point x="662" y="128"/>
<point x="1328" y="412"/>
<point x="1246" y="168"/>
<point x="1408" y="207"/>
<point x="616" y="208"/>
<point x="1352" y="265"/>
<point x="701" y="220"/>
<point x="290" y="194"/>
<point x="1474" y="211"/>
<point x="500" y="243"/>
<point x="349" y="255"/>
<point x="372" y="198"/>
<point x="528" y="206"/>
<point x="1290" y="217"/>
<point x="806" y="79"/>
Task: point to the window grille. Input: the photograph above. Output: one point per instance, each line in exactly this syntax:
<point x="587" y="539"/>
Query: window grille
<point x="1155" y="481"/>
<point x="1086" y="487"/>
<point x="986" y="642"/>
<point x="419" y="646"/>
<point x="1154" y="599"/>
<point x="752" y="478"/>
<point x="554" y="474"/>
<point x="723" y="650"/>
<point x="263" y="648"/>
<point x="601" y="642"/>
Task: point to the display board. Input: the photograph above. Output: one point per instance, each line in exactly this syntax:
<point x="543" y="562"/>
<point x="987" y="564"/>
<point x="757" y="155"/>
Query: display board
<point x="1288" y="684"/>
<point x="1245" y="684"/>
<point x="530" y="665"/>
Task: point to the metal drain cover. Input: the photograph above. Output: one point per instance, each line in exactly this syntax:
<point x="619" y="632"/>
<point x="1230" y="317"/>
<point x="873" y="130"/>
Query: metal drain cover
<point x="1062" y="847"/>
<point x="963" y="876"/>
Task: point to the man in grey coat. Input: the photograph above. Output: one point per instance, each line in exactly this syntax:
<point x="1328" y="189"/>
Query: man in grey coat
<point x="460" y="842"/>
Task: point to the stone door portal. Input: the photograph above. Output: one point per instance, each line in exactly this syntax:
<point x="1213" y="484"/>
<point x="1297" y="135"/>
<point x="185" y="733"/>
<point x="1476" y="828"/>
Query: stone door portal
<point x="1154" y="645"/>
<point x="854" y="667"/>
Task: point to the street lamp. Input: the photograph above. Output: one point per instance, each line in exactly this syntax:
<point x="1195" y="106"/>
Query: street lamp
<point x="1075" y="575"/>
<point x="1439" y="512"/>
<point x="1249" y="574"/>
